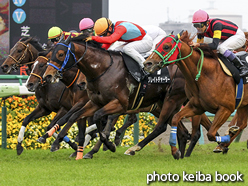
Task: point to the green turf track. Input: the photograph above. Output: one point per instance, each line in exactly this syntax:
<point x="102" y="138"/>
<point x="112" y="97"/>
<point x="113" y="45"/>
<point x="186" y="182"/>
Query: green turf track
<point x="42" y="167"/>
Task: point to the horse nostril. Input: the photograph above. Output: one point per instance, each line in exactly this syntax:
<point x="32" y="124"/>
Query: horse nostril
<point x="4" y="67"/>
<point x="148" y="64"/>
<point x="30" y="86"/>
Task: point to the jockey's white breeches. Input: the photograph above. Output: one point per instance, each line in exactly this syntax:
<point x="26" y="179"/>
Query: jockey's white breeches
<point x="232" y="43"/>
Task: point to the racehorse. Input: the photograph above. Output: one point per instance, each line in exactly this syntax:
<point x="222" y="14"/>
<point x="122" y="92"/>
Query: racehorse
<point x="111" y="88"/>
<point x="207" y="86"/>
<point x="23" y="52"/>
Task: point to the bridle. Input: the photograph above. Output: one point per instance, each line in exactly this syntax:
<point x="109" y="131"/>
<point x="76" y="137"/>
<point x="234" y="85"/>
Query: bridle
<point x="38" y="76"/>
<point x="18" y="62"/>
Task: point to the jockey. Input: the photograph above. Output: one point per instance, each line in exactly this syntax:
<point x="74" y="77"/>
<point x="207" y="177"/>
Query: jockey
<point x="55" y="33"/>
<point x="86" y="25"/>
<point x="136" y="40"/>
<point x="226" y="35"/>
<point x="156" y="33"/>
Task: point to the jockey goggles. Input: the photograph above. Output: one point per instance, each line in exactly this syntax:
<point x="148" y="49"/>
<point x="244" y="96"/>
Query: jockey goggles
<point x="55" y="39"/>
<point x="199" y="25"/>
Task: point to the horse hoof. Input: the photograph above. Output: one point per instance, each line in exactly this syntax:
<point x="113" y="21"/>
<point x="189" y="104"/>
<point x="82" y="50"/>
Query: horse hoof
<point x="74" y="154"/>
<point x="19" y="148"/>
<point x="88" y="156"/>
<point x="111" y="146"/>
<point x="233" y="130"/>
<point x="105" y="148"/>
<point x="177" y="155"/>
<point x="218" y="149"/>
<point x="117" y="141"/>
<point x="54" y="148"/>
<point x="225" y="150"/>
<point x="41" y="140"/>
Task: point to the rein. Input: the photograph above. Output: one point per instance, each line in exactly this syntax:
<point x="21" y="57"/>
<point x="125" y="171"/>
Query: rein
<point x="75" y="78"/>
<point x="169" y="54"/>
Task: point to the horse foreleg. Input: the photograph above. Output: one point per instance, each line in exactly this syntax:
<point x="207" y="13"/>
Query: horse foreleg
<point x="240" y="126"/>
<point x="81" y="137"/>
<point x="37" y="113"/>
<point x="130" y="120"/>
<point x="51" y="129"/>
<point x="185" y="112"/>
<point x="112" y="107"/>
<point x="87" y="111"/>
<point x="195" y="135"/>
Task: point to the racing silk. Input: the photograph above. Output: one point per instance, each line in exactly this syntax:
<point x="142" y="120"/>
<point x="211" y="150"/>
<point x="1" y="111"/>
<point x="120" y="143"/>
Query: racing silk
<point x="218" y="29"/>
<point x="123" y="31"/>
<point x="72" y="34"/>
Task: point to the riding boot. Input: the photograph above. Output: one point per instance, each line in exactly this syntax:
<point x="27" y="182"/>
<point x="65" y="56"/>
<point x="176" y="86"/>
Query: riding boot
<point x="241" y="66"/>
<point x="237" y="62"/>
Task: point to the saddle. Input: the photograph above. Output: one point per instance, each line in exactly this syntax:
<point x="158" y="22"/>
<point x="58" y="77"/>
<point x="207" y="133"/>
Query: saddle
<point x="160" y="76"/>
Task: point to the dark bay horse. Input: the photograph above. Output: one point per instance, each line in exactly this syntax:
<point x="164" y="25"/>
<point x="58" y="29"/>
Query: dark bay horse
<point x="111" y="88"/>
<point x="207" y="86"/>
<point x="23" y="52"/>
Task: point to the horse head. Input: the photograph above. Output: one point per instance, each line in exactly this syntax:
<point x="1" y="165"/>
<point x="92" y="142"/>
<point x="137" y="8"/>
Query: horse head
<point x="39" y="67"/>
<point x="167" y="52"/>
<point x="23" y="52"/>
<point x="62" y="58"/>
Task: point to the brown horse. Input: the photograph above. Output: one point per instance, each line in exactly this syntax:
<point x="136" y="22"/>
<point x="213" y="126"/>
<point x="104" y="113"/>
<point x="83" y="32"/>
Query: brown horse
<point x="22" y="53"/>
<point x="110" y="86"/>
<point x="207" y="86"/>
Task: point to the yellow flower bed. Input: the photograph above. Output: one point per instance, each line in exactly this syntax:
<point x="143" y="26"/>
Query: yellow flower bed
<point x="18" y="108"/>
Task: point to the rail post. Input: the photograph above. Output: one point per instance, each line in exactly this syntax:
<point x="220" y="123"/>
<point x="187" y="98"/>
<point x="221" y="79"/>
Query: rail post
<point x="4" y="126"/>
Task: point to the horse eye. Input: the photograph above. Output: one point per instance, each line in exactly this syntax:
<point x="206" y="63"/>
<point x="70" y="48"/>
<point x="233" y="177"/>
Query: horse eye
<point x="20" y="50"/>
<point x="166" y="47"/>
<point x="61" y="55"/>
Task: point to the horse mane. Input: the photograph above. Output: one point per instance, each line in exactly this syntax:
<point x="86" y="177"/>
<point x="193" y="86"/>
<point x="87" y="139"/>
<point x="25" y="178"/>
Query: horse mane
<point x="208" y="52"/>
<point x="34" y="41"/>
<point x="45" y="52"/>
<point x="80" y="40"/>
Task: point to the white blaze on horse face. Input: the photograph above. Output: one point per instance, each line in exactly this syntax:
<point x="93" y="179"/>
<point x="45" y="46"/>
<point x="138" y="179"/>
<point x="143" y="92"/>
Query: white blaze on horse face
<point x="36" y="62"/>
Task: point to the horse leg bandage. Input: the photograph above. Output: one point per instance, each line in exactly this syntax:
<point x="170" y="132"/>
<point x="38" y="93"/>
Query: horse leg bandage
<point x="52" y="130"/>
<point x="223" y="139"/>
<point x="80" y="152"/>
<point x="173" y="136"/>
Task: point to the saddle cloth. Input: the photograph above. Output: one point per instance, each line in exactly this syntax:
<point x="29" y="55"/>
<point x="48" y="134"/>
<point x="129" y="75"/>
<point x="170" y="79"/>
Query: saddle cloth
<point x="160" y="76"/>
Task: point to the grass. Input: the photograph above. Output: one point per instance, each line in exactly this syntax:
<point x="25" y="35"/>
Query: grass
<point x="41" y="167"/>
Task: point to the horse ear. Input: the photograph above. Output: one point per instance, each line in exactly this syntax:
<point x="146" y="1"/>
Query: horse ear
<point x="181" y="33"/>
<point x="62" y="37"/>
<point x="68" y="39"/>
<point x="171" y="32"/>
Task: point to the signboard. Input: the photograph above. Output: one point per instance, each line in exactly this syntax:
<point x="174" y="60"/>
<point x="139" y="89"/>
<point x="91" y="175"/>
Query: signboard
<point x="36" y="17"/>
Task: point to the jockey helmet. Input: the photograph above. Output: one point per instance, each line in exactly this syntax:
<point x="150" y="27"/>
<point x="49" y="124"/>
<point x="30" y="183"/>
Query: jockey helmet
<point x="102" y="25"/>
<point x="200" y="16"/>
<point x="54" y="32"/>
<point x="86" y="23"/>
